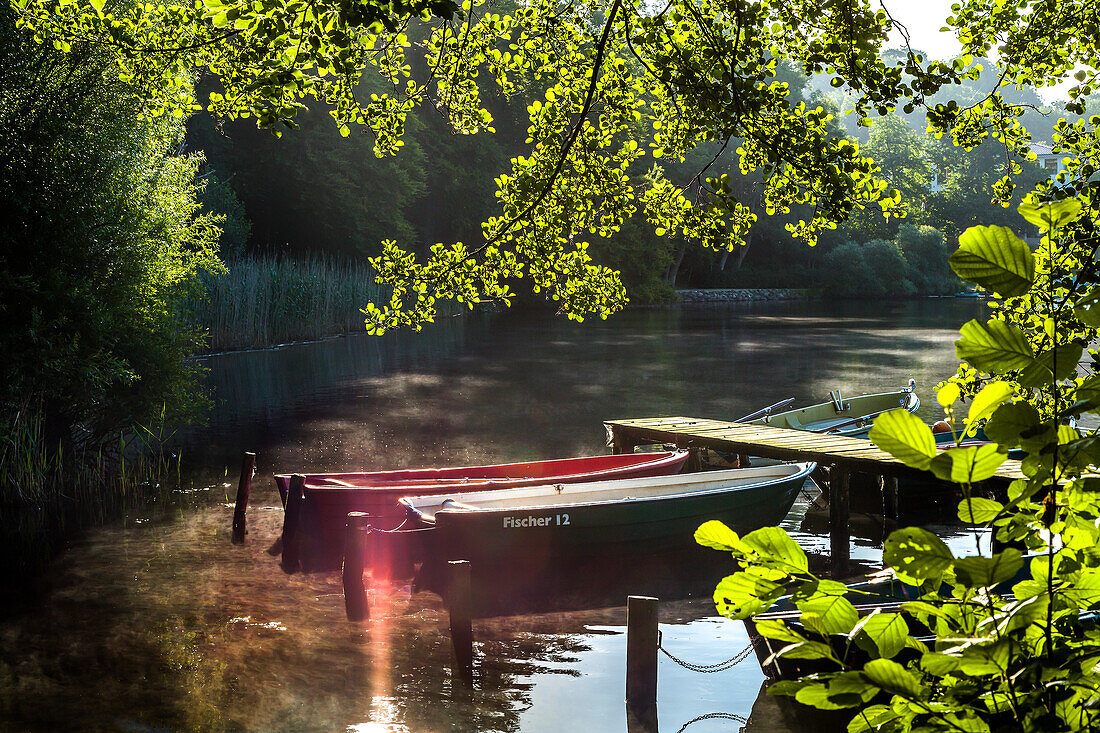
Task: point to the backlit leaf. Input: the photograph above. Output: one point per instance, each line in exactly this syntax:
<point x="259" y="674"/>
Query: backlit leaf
<point x="995" y="258"/>
<point x="916" y="555"/>
<point x="904" y="436"/>
<point x="983" y="572"/>
<point x="979" y="510"/>
<point x="775" y="543"/>
<point x="1051" y="215"/>
<point x="992" y="396"/>
<point x="994" y="347"/>
<point x="968" y="464"/>
<point x="716" y="534"/>
<point x="893" y="678"/>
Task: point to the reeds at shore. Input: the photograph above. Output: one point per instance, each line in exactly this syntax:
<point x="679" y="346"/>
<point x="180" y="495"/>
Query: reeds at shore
<point x="267" y="300"/>
<point x="49" y="492"/>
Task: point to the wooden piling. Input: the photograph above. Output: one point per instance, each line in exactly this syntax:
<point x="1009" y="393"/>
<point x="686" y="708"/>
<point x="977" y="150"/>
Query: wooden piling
<point x="357" y="534"/>
<point x="292" y="514"/>
<point x="641" y="657"/>
<point x="460" y="607"/>
<point x="694" y="460"/>
<point x="839" y="536"/>
<point x="244" y="488"/>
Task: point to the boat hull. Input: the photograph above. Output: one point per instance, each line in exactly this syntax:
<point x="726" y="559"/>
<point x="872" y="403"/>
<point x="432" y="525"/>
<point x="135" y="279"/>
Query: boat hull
<point x="324" y="508"/>
<point x="842" y="416"/>
<point x="550" y="538"/>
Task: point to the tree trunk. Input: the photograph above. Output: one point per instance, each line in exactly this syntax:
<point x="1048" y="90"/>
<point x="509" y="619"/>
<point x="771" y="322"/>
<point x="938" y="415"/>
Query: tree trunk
<point x="674" y="268"/>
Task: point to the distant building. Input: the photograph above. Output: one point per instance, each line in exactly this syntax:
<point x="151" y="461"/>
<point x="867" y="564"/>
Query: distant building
<point x="1047" y="160"/>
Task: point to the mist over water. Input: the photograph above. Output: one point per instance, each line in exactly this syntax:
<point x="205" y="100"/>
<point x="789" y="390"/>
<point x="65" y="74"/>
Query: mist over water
<point x="158" y="623"/>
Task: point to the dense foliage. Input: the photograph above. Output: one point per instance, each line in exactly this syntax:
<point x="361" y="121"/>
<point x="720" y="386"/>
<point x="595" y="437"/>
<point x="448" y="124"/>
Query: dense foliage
<point x="618" y="101"/>
<point x="103" y="239"/>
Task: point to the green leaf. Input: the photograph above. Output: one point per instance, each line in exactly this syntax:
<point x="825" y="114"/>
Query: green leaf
<point x="828" y="614"/>
<point x="715" y="534"/>
<point x="1010" y="422"/>
<point x="807" y="650"/>
<point x="776" y="544"/>
<point x="979" y="510"/>
<point x="904" y="436"/>
<point x="996" y="259"/>
<point x="939" y="665"/>
<point x="994" y="347"/>
<point x="888" y="631"/>
<point x="992" y="396"/>
<point x="872" y="718"/>
<point x="892" y="677"/>
<point x="916" y="555"/>
<point x="743" y="594"/>
<point x="1087" y="308"/>
<point x="817" y="695"/>
<point x="98" y="4"/>
<point x="778" y="630"/>
<point x="968" y="464"/>
<point x="948" y="395"/>
<point x="966" y="722"/>
<point x="984" y="572"/>
<point x="1051" y="215"/>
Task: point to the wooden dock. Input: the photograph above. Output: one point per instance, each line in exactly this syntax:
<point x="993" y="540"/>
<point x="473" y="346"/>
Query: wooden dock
<point x="843" y="455"/>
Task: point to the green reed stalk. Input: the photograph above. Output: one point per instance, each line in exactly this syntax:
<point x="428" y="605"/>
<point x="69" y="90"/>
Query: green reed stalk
<point x="47" y="492"/>
<point x="265" y="300"/>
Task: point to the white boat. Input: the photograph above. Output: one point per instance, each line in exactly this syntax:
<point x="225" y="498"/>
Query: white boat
<point x="583" y="519"/>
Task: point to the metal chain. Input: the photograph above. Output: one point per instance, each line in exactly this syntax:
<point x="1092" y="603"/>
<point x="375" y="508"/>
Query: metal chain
<point x="711" y="716"/>
<point x="706" y="668"/>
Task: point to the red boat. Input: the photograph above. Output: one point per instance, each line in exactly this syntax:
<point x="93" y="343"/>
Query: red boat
<point x="328" y="497"/>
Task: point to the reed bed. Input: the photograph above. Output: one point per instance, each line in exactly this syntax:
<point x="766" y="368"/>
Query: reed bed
<point x="266" y="300"/>
<point x="48" y="492"/>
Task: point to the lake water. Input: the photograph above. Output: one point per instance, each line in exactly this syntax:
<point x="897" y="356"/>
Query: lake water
<point x="157" y="623"/>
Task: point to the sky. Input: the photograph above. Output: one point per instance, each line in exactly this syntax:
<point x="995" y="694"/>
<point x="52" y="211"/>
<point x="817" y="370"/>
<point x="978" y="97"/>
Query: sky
<point x="923" y="19"/>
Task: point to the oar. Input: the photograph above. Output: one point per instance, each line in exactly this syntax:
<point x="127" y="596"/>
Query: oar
<point x="854" y="420"/>
<point x="767" y="410"/>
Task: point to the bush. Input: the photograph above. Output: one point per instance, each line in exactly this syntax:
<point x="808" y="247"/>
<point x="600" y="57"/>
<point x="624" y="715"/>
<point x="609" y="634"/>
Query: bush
<point x="103" y="242"/>
<point x="877" y="269"/>
<point x="926" y="251"/>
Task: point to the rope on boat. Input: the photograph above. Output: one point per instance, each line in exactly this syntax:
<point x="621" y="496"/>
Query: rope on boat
<point x="706" y="668"/>
<point x="712" y="716"/>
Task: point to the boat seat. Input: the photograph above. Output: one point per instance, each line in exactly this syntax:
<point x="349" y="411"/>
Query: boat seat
<point x="822" y="425"/>
<point x="452" y="504"/>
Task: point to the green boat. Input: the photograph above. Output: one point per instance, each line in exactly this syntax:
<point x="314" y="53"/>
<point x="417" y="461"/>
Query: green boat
<point x="840" y="415"/>
<point x="539" y="526"/>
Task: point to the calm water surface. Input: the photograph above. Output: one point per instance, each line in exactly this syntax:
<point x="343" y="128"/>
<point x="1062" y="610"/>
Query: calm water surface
<point x="159" y="624"/>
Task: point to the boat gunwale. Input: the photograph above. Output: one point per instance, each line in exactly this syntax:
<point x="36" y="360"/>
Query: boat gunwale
<point x="657" y="458"/>
<point x="807" y="467"/>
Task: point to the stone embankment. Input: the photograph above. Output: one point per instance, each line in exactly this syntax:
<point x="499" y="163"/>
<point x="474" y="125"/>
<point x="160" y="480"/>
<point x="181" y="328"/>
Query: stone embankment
<point x="729" y="295"/>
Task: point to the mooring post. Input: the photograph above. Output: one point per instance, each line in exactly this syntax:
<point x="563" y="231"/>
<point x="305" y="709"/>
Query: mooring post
<point x="356" y="548"/>
<point x="694" y="460"/>
<point x="244" y="487"/>
<point x="839" y="538"/>
<point x="641" y="658"/>
<point x="460" y="605"/>
<point x="890" y="497"/>
<point x="290" y="523"/>
<point x="617" y="441"/>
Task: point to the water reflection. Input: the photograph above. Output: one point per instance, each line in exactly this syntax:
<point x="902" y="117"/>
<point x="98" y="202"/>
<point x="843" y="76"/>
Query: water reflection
<point x="164" y="625"/>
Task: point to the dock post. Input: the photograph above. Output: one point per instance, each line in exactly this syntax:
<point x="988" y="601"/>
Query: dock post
<point x="890" y="500"/>
<point x="291" y="516"/>
<point x="641" y="660"/>
<point x="616" y="441"/>
<point x="244" y="488"/>
<point x="694" y="462"/>
<point x="839" y="538"/>
<point x="356" y="548"/>
<point x="460" y="608"/>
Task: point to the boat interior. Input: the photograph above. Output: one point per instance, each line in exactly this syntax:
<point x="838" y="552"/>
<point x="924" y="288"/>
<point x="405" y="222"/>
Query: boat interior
<point x="599" y="492"/>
